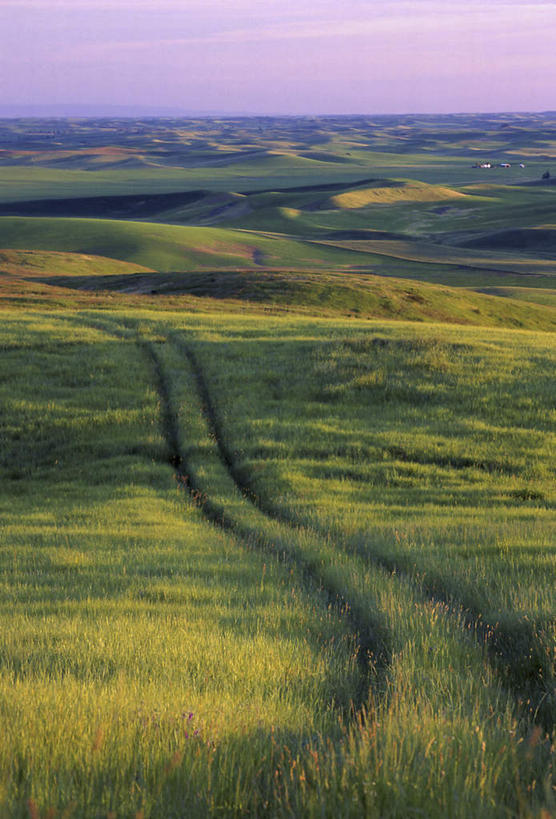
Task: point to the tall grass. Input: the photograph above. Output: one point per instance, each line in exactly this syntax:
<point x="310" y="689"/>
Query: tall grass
<point x="431" y="447"/>
<point x="429" y="660"/>
<point x="142" y="648"/>
<point x="180" y="647"/>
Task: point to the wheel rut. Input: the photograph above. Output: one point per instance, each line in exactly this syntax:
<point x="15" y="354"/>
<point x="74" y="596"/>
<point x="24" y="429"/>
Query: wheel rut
<point x="370" y="652"/>
<point x="514" y="653"/>
<point x="505" y="650"/>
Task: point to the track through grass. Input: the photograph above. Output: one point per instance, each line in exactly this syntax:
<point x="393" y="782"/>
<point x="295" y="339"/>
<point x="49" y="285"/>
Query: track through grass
<point x="521" y="653"/>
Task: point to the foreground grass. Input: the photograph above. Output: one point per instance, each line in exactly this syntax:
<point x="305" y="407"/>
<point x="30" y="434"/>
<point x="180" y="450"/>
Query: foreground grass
<point x="426" y="450"/>
<point x="147" y="658"/>
<point x="319" y="683"/>
<point x="370" y="484"/>
<point x="426" y="661"/>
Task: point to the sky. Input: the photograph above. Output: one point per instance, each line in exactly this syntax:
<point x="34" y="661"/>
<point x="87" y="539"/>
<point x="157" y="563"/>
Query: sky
<point x="280" y="56"/>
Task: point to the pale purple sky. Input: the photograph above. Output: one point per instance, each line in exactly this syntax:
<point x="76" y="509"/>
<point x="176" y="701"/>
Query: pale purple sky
<point x="289" y="56"/>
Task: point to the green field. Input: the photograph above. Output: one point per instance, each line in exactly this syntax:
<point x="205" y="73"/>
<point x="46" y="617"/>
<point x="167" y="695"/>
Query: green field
<point x="277" y="469"/>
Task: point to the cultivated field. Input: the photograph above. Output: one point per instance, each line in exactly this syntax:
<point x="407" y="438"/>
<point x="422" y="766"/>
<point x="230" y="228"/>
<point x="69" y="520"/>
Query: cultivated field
<point x="277" y="468"/>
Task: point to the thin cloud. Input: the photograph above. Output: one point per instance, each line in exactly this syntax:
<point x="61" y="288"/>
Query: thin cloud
<point x="271" y="8"/>
<point x="112" y="49"/>
<point x="230" y="6"/>
<point x="357" y="27"/>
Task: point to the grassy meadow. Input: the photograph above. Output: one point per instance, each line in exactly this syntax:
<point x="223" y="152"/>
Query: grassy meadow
<point x="277" y="469"/>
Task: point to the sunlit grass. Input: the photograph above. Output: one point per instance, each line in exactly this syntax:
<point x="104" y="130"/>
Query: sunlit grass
<point x="426" y="451"/>
<point x="432" y="653"/>
<point x="124" y="612"/>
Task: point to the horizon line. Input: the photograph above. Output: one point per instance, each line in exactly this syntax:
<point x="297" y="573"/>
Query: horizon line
<point x="18" y="111"/>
